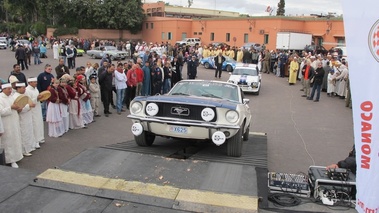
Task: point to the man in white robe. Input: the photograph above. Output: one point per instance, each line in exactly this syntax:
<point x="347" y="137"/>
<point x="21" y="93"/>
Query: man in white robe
<point x="33" y="93"/>
<point x="11" y="139"/>
<point x="26" y="123"/>
<point x="341" y="79"/>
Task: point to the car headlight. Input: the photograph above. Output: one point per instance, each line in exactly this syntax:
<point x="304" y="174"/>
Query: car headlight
<point x="232" y="116"/>
<point x="152" y="109"/>
<point x="255" y="84"/>
<point x="136" y="107"/>
<point x="207" y="114"/>
<point x="248" y="83"/>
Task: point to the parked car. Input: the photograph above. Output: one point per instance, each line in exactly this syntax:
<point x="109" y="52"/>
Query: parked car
<point x="190" y="41"/>
<point x="218" y="44"/>
<point x="194" y="109"/>
<point x="256" y="46"/>
<point x="15" y="43"/>
<point x="247" y="77"/>
<point x="228" y="65"/>
<point x="79" y="52"/>
<point x="98" y="52"/>
<point x="3" y="44"/>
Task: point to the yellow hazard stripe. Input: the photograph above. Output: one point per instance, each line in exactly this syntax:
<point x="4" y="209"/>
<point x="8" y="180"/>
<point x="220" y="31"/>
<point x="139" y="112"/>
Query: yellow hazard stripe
<point x="188" y="196"/>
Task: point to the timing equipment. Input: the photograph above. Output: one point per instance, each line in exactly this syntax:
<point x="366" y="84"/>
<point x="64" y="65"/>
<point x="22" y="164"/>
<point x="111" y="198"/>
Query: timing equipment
<point x="296" y="184"/>
<point x="333" y="186"/>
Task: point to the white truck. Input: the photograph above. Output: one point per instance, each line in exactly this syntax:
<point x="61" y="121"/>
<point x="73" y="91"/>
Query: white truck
<point x="292" y="41"/>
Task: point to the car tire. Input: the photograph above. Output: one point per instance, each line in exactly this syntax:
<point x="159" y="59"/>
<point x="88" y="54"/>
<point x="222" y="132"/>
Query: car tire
<point x="112" y="57"/>
<point x="246" y="134"/>
<point x="93" y="56"/>
<point x="145" y="139"/>
<point x="234" y="145"/>
<point x="257" y="93"/>
<point x="229" y="68"/>
<point x="206" y="65"/>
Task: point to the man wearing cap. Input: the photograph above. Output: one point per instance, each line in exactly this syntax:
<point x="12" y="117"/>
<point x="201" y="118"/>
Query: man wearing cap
<point x="11" y="138"/>
<point x="17" y="72"/>
<point x="33" y="93"/>
<point x="26" y="122"/>
<point x="61" y="69"/>
<point x="13" y="80"/>
<point x="43" y="82"/>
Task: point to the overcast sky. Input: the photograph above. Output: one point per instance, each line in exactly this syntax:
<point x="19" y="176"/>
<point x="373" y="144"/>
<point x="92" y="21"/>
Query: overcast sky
<point x="258" y="7"/>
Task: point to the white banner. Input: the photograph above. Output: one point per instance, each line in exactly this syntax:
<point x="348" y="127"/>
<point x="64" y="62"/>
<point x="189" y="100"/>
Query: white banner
<point x="361" y="20"/>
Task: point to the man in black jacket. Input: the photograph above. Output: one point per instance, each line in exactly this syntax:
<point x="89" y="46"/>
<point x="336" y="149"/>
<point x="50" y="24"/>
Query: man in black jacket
<point x="21" y="57"/>
<point x="219" y="60"/>
<point x="19" y="75"/>
<point x="61" y="69"/>
<point x="105" y="80"/>
<point x="192" y="68"/>
<point x="317" y="82"/>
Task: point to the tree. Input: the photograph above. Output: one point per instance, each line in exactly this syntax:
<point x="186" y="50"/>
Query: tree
<point x="281" y="11"/>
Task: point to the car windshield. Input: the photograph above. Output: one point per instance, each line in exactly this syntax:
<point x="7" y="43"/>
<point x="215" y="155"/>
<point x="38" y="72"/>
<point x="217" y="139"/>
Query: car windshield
<point x="110" y="48"/>
<point x="206" y="89"/>
<point x="245" y="71"/>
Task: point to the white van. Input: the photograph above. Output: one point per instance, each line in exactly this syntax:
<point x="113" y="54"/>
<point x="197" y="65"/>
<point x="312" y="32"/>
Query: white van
<point x="190" y="41"/>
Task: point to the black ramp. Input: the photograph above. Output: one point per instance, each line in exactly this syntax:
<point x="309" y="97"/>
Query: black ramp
<point x="13" y="180"/>
<point x="37" y="199"/>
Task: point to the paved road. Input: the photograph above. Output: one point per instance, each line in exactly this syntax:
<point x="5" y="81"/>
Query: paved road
<point x="300" y="133"/>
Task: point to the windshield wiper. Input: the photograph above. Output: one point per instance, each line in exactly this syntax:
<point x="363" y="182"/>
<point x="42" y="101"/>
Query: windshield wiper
<point x="180" y="93"/>
<point x="210" y="95"/>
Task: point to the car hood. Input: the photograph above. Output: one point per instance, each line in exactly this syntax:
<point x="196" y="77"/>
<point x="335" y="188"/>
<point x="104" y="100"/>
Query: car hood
<point x="179" y="99"/>
<point x="243" y="78"/>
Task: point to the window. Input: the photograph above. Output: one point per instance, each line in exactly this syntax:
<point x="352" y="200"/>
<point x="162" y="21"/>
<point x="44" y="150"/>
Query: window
<point x="320" y="40"/>
<point x="245" y="38"/>
<point x="341" y="41"/>
<point x="147" y="25"/>
<point x="227" y="37"/>
<point x="169" y="36"/>
<point x="212" y="36"/>
<point x="266" y="39"/>
<point x="163" y="36"/>
<point x="200" y="33"/>
<point x="195" y="33"/>
<point x="152" y="25"/>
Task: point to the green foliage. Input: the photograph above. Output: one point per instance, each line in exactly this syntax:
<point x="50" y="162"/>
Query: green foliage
<point x="66" y="31"/>
<point x="87" y="14"/>
<point x="38" y="28"/>
<point x="281" y="11"/>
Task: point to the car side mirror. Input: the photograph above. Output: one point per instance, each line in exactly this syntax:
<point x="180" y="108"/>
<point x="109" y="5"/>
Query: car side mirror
<point x="246" y="101"/>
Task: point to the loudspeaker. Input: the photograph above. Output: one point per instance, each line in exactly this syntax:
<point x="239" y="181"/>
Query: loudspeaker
<point x="2" y="157"/>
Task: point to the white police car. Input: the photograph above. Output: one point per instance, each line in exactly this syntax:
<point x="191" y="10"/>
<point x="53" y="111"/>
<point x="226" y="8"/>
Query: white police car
<point x="247" y="77"/>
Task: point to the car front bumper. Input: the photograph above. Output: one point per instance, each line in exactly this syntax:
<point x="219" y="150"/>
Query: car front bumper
<point x="193" y="129"/>
<point x="246" y="88"/>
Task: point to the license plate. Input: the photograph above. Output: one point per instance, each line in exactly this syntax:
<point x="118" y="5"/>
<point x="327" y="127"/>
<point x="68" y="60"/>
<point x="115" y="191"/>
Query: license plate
<point x="178" y="129"/>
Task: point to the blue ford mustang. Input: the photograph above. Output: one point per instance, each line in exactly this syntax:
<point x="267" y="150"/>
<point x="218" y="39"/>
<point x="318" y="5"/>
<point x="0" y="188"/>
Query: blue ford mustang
<point x="228" y="65"/>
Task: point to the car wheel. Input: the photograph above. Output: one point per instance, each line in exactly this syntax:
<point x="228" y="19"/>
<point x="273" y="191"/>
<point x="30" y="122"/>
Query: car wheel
<point x="206" y="65"/>
<point x="93" y="56"/>
<point x="257" y="93"/>
<point x="234" y="146"/>
<point x="246" y="134"/>
<point x="229" y="68"/>
<point x="112" y="58"/>
<point x="145" y="139"/>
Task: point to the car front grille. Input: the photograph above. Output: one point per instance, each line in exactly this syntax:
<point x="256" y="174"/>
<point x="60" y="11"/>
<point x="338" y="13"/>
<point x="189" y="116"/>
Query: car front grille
<point x="182" y="111"/>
